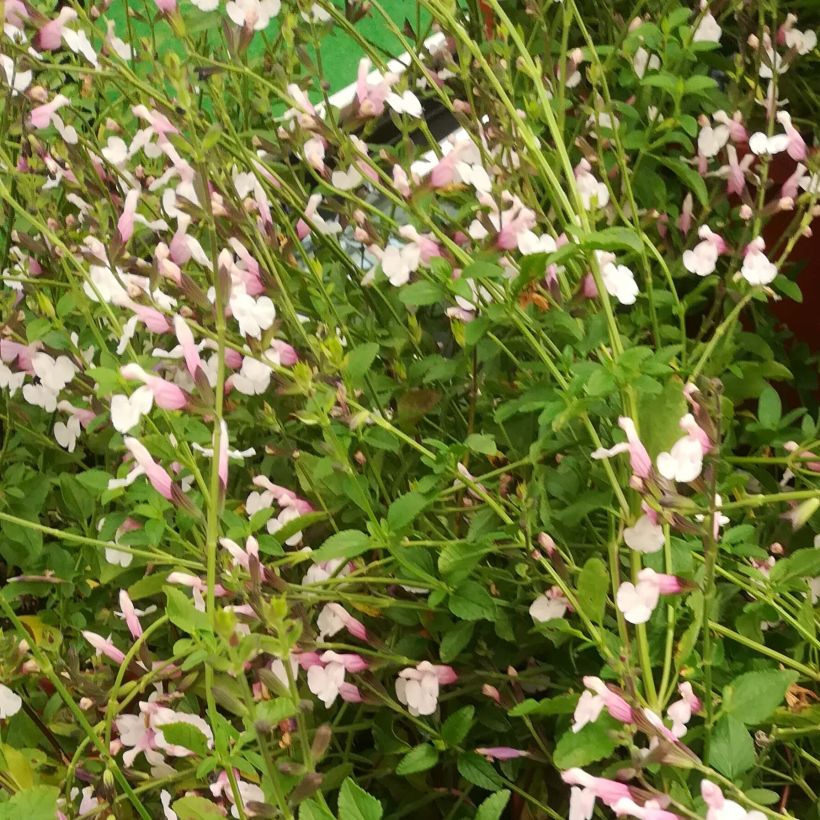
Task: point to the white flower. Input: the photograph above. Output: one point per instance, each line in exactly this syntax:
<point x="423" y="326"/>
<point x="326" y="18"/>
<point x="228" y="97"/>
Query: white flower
<point x="418" y="689"/>
<point x="772" y="63"/>
<point x="708" y="30"/>
<point x="644" y="536"/>
<point x="10" y="703"/>
<point x="54" y="374"/>
<point x="314" y="150"/>
<point x="803" y="41"/>
<point x="79" y="43"/>
<point x="641" y="61"/>
<point x="548" y="607"/>
<point x="40" y="396"/>
<point x="619" y="280"/>
<point x="683" y="462"/>
<point x="126" y="411"/>
<point x="329" y="621"/>
<point x="529" y="242"/>
<point x="592" y="192"/>
<point x="324" y="681"/>
<point x="253" y="315"/>
<point x="206" y="5"/>
<point x="67" y="433"/>
<point x="587" y="710"/>
<point x="757" y="269"/>
<point x="11" y="380"/>
<point x="18" y="80"/>
<point x="286" y="515"/>
<point x="637" y="601"/>
<point x="711" y="140"/>
<point x="581" y="803"/>
<point x="252" y="14"/>
<point x="346" y="180"/>
<point x="405" y="103"/>
<point x="763" y="145"/>
<point x="399" y="262"/>
<point x="253" y="378"/>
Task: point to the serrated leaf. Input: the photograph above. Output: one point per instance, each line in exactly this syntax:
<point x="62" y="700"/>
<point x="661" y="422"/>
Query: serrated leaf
<point x="360" y="358"/>
<point x="800" y="564"/>
<point x="455" y="728"/>
<point x="345" y="545"/>
<point x="311" y="810"/>
<point x="753" y="697"/>
<point x="356" y="804"/>
<point x="732" y="751"/>
<point x="471" y="602"/>
<point x="493" y="806"/>
<point x="592" y="743"/>
<point x="183" y="614"/>
<point x="421" y="293"/>
<point x="419" y="759"/>
<point x="196" y="808"/>
<point x="187" y="736"/>
<point x="404" y="510"/>
<point x="455" y="640"/>
<point x="477" y="770"/>
<point x="481" y="443"/>
<point x="36" y="803"/>
<point x="611" y="239"/>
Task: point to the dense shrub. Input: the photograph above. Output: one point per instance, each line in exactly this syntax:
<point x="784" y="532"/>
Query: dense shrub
<point x="348" y="474"/>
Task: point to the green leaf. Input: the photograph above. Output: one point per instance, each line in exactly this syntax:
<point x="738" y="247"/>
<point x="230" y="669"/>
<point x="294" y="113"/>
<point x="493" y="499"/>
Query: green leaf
<point x="196" y="808"/>
<point x="688" y="176"/>
<point x="593" y="584"/>
<point x="481" y="443"/>
<point x="665" y="80"/>
<point x="482" y="270"/>
<point x="311" y="810"/>
<point x="698" y="83"/>
<point x="36" y="803"/>
<point x="419" y="759"/>
<point x="753" y="697"/>
<point x="592" y="743"/>
<point x="421" y="293"/>
<point x="345" y="544"/>
<point x="477" y="770"/>
<point x="800" y="564"/>
<point x="455" y="639"/>
<point x="559" y="705"/>
<point x="455" y="728"/>
<point x="182" y="612"/>
<point x="186" y="735"/>
<point x="404" y="510"/>
<point x="360" y="358"/>
<point x="769" y="407"/>
<point x="610" y="239"/>
<point x="356" y="804"/>
<point x="493" y="806"/>
<point x="732" y="752"/>
<point x="471" y="602"/>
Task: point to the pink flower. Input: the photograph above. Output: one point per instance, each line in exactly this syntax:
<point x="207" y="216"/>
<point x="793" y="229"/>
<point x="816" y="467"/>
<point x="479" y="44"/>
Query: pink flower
<point x="49" y="37"/>
<point x="41" y="115"/>
<point x="418" y="688"/>
<point x="186" y="341"/>
<point x="651" y="810"/>
<point x="222" y="463"/>
<point x="796" y="147"/>
<point x="159" y="478"/>
<point x="685" y="218"/>
<point x="130" y="615"/>
<point x="167" y="395"/>
<point x="684" y="461"/>
<point x="702" y="259"/>
<point x="372" y="89"/>
<point x="125" y="224"/>
<point x="608" y="698"/>
<point x="607" y="791"/>
<point x="680" y="712"/>
<point x="104" y="646"/>
<point x="719" y="808"/>
<point x="241" y="557"/>
<point x="501" y="753"/>
<point x="334" y="617"/>
<point x="166" y="6"/>
<point x="639" y="458"/>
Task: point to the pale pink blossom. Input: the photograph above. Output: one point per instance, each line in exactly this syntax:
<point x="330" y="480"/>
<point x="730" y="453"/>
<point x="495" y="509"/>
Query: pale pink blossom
<point x="549" y="606"/>
<point x="129" y="614"/>
<point x="159" y="478"/>
<point x="418" y="688"/>
<point x="702" y="259"/>
<point x="125" y="224"/>
<point x="594" y="699"/>
<point x="42" y="115"/>
<point x="756" y="268"/>
<point x="334" y="617"/>
<point x="167" y="395"/>
<point x="645" y="535"/>
<point x="104" y="646"/>
<point x="719" y="808"/>
<point x="49" y="37"/>
<point x="501" y="753"/>
<point x="683" y="462"/>
<point x="796" y="147"/>
<point x="680" y="712"/>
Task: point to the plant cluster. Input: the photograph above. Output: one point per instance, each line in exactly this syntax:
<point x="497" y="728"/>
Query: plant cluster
<point x="350" y="473"/>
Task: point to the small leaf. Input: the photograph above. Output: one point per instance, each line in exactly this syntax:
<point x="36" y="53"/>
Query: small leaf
<point x="471" y="602"/>
<point x="769" y="407"/>
<point x="419" y="759"/>
<point x="481" y="443"/>
<point x="753" y="697"/>
<point x="196" y="808"/>
<point x="689" y="176"/>
<point x="455" y="728"/>
<point x="360" y="358"/>
<point x="482" y="270"/>
<point x="183" y="613"/>
<point x="187" y="736"/>
<point x="593" y="584"/>
<point x="477" y="770"/>
<point x="356" y="804"/>
<point x="800" y="564"/>
<point x="404" y="510"/>
<point x="592" y="743"/>
<point x="345" y="544"/>
<point x="732" y="752"/>
<point x="698" y="83"/>
<point x="611" y="239"/>
<point x="455" y="640"/>
<point x="36" y="803"/>
<point x="421" y="293"/>
<point x="493" y="806"/>
<point x="311" y="810"/>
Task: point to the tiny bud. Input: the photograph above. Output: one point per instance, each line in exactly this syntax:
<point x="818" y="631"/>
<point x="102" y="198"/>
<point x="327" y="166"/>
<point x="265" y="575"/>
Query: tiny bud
<point x="635" y="23"/>
<point x="776" y="548"/>
<point x="745" y="212"/>
<point x="360" y="458"/>
<point x="23" y="647"/>
<point x="86" y="703"/>
<point x="786" y="203"/>
<point x="808" y="232"/>
<point x="577" y="56"/>
<point x="512" y="672"/>
<point x="753" y="41"/>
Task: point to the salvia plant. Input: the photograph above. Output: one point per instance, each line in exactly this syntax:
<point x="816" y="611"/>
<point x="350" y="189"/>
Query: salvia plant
<point x="357" y="466"/>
